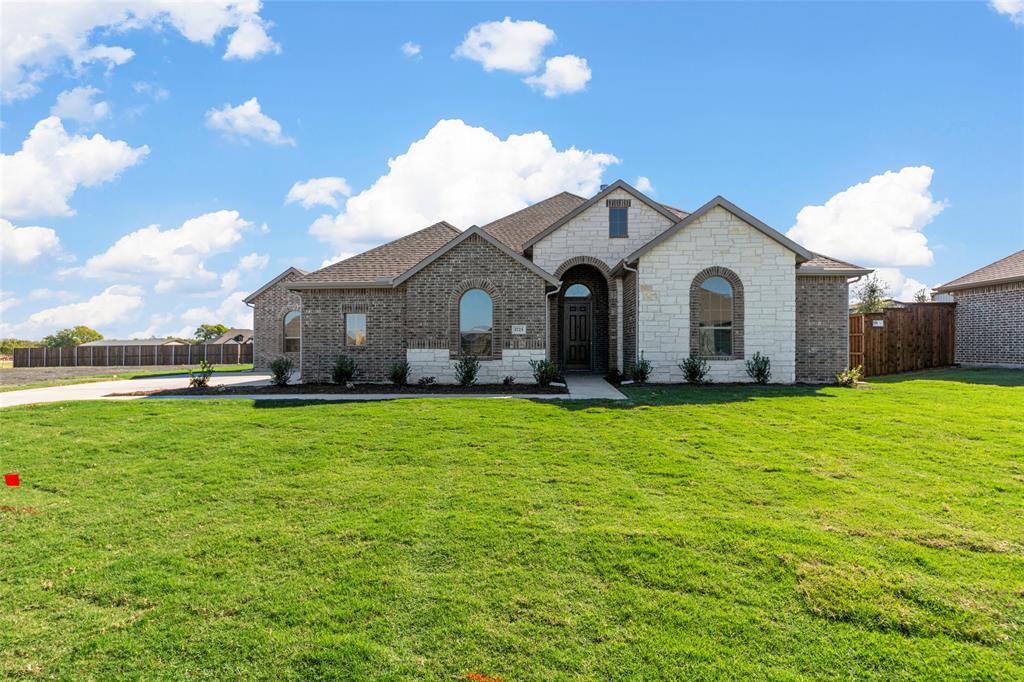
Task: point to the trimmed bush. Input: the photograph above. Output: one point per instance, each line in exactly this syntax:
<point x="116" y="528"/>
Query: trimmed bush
<point x="544" y="372"/>
<point x="399" y="373"/>
<point x="641" y="370"/>
<point x="848" y="378"/>
<point x="466" y="369"/>
<point x="695" y="370"/>
<point x="344" y="370"/>
<point x="200" y="378"/>
<point x="281" y="371"/>
<point x="426" y="381"/>
<point x="759" y="368"/>
<point x="508" y="381"/>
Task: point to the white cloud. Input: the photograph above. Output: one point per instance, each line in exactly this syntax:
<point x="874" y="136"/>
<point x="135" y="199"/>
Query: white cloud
<point x="507" y="45"/>
<point x="44" y="293"/>
<point x="23" y="245"/>
<point x="246" y="121"/>
<point x="318" y="191"/>
<point x="157" y="322"/>
<point x="158" y="93"/>
<point x="875" y="222"/>
<point x="411" y="49"/>
<point x="78" y="104"/>
<point x="113" y="305"/>
<point x="1014" y="9"/>
<point x="337" y="258"/>
<point x="901" y="287"/>
<point x="250" y="40"/>
<point x="464" y="175"/>
<point x="232" y="312"/>
<point x="643" y="183"/>
<point x="40" y="38"/>
<point x="562" y="75"/>
<point x="176" y="256"/>
<point x="8" y="300"/>
<point x="41" y="177"/>
<point x="251" y="263"/>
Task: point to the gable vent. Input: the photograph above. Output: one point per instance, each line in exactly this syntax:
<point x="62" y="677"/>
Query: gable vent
<point x="617" y="203"/>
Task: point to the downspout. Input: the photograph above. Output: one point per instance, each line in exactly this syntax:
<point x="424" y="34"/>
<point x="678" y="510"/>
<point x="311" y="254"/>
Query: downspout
<point x="636" y="310"/>
<point x="547" y="321"/>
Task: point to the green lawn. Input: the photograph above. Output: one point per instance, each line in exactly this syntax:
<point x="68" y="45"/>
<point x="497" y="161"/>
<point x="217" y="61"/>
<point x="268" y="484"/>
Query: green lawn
<point x="739" y="533"/>
<point x="109" y="376"/>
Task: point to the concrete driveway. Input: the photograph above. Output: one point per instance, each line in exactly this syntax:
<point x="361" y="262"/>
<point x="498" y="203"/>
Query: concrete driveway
<point x="99" y="389"/>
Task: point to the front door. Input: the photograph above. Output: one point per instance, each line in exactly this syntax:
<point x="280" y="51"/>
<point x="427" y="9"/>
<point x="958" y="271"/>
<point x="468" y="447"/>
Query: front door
<point x="577" y="335"/>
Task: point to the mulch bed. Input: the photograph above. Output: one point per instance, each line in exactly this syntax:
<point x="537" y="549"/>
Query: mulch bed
<point x="334" y="389"/>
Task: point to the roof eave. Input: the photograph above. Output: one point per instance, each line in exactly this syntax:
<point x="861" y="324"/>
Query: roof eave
<point x="308" y="286"/>
<point x="838" y="272"/>
<point x="978" y="285"/>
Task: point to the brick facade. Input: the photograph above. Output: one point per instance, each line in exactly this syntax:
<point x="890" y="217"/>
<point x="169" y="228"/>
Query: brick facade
<point x="990" y="325"/>
<point x="822" y="328"/>
<point x="270" y="307"/>
<point x="628" y="320"/>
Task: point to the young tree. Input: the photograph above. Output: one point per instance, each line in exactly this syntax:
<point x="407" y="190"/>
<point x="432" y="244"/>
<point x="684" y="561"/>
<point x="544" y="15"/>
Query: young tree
<point x="72" y="336"/>
<point x="921" y="296"/>
<point x="872" y="296"/>
<point x="208" y="332"/>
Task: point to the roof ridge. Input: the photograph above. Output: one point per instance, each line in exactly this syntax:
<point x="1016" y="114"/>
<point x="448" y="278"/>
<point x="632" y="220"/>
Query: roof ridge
<point x="983" y="267"/>
<point x="533" y="205"/>
<point x="396" y="240"/>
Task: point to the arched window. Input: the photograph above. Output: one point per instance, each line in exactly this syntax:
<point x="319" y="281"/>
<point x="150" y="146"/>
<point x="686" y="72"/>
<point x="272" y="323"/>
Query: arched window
<point x="715" y="318"/>
<point x="292" y="331"/>
<point x="577" y="291"/>
<point x="476" y="315"/>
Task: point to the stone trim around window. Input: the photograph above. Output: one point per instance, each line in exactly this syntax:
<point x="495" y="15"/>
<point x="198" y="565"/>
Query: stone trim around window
<point x="737" y="311"/>
<point x="497" y="317"/>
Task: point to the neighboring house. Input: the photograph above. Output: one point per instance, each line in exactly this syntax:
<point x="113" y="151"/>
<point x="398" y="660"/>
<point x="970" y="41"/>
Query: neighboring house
<point x="233" y="336"/>
<point x="134" y="342"/>
<point x="592" y="284"/>
<point x="990" y="313"/>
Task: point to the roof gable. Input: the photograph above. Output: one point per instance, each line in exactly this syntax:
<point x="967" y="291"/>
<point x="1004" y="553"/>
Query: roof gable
<point x="723" y="203"/>
<point x="617" y="185"/>
<point x="1009" y="269"/>
<point x="293" y="270"/>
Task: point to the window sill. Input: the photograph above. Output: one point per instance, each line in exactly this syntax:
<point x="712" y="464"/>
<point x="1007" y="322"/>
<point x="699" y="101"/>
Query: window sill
<point x="718" y="358"/>
<point x="618" y="236"/>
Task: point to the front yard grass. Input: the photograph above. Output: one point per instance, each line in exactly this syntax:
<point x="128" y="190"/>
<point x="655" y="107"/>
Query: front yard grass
<point x="730" y="532"/>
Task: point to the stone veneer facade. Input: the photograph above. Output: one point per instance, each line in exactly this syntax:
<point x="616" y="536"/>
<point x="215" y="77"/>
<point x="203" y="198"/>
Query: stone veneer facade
<point x="269" y="309"/>
<point x="990" y="325"/>
<point x="822" y="327"/>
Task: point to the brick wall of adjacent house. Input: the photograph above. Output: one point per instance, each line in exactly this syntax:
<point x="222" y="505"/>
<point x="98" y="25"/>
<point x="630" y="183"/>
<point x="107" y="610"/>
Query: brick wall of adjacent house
<point x="822" y="328"/>
<point x="323" y="331"/>
<point x="269" y="309"/>
<point x="587" y="234"/>
<point x="768" y="273"/>
<point x="990" y="325"/>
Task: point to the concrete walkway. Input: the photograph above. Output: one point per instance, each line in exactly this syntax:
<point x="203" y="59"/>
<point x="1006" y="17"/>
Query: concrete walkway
<point x="581" y="387"/>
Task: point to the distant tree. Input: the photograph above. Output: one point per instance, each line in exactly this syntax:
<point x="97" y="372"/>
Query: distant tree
<point x="7" y="346"/>
<point x="921" y="296"/>
<point x="208" y="332"/>
<point x="73" y="336"/>
<point x="872" y="296"/>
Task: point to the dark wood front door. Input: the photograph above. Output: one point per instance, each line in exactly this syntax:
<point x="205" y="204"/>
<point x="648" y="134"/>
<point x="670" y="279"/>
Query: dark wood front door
<point x="577" y="332"/>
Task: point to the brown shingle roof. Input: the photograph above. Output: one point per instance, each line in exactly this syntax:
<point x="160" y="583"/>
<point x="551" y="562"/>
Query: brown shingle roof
<point x="387" y="260"/>
<point x="1009" y="269"/>
<point x="517" y="228"/>
<point x="826" y="264"/>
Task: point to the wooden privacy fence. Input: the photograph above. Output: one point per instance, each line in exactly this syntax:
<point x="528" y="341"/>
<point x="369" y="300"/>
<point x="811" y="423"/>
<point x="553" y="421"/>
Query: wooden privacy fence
<point x="133" y="356"/>
<point x="916" y="337"/>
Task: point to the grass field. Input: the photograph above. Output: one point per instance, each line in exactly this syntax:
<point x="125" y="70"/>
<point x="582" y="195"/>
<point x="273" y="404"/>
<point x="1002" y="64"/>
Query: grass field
<point x="17" y="379"/>
<point x="737" y="533"/>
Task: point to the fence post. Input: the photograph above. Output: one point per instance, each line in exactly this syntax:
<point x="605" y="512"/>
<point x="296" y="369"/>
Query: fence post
<point x="222" y="353"/>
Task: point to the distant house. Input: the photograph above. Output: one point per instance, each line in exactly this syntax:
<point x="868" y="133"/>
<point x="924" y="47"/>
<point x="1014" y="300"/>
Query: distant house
<point x="134" y="342"/>
<point x="234" y="336"/>
<point x="990" y="313"/>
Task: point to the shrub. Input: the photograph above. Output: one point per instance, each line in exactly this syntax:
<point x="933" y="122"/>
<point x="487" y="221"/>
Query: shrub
<point x="508" y="381"/>
<point x="200" y="378"/>
<point x="849" y="377"/>
<point x="614" y="376"/>
<point x="426" y="381"/>
<point x="281" y="371"/>
<point x="695" y="370"/>
<point x="466" y="369"/>
<point x="344" y="370"/>
<point x="641" y="370"/>
<point x="544" y="372"/>
<point x="399" y="373"/>
<point x="759" y="368"/>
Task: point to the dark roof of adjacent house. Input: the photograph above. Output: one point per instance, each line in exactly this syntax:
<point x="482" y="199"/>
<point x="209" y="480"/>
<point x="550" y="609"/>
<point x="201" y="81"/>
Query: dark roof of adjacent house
<point x="823" y="265"/>
<point x="517" y="228"/>
<point x="1009" y="269"/>
<point x="134" y="342"/>
<point x="387" y="261"/>
<point x="232" y="336"/>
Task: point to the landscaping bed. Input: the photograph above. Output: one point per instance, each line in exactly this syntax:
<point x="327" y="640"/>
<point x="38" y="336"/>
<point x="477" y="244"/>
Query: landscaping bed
<point x="358" y="389"/>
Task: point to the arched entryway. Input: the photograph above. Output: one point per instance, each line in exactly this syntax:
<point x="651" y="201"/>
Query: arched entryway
<point x="581" y="335"/>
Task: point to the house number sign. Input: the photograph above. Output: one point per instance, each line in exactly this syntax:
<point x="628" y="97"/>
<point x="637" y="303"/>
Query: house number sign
<point x="518" y="329"/>
<point x="877" y="323"/>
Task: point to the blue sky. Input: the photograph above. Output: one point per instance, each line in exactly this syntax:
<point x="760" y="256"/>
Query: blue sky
<point x="889" y="134"/>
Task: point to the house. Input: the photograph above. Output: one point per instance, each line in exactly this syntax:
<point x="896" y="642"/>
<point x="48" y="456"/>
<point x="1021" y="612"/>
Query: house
<point x="592" y="284"/>
<point x="990" y="313"/>
<point x="233" y="336"/>
<point x="134" y="342"/>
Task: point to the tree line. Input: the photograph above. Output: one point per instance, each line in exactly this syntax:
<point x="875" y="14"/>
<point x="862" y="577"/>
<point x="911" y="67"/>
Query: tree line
<point x="76" y="336"/>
